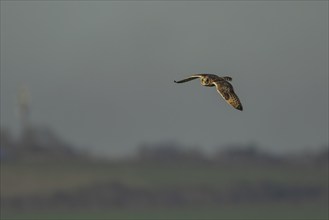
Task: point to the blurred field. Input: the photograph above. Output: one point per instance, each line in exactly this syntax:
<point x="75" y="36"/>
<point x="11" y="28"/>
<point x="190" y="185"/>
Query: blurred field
<point x="259" y="211"/>
<point x="48" y="176"/>
<point x="51" y="180"/>
<point x="177" y="189"/>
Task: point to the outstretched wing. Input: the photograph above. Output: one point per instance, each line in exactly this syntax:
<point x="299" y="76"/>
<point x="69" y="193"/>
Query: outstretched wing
<point x="225" y="89"/>
<point x="227" y="78"/>
<point x="189" y="78"/>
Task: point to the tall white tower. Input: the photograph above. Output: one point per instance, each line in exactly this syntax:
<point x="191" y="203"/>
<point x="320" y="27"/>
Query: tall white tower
<point x="24" y="108"/>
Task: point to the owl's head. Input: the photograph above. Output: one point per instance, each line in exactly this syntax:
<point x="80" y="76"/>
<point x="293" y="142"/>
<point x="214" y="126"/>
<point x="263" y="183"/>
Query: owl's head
<point x="205" y="81"/>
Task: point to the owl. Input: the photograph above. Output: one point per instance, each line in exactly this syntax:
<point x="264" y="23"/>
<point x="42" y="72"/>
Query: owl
<point x="223" y="87"/>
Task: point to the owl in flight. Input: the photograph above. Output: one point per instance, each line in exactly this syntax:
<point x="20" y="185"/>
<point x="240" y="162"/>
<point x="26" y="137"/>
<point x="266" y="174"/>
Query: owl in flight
<point x="224" y="88"/>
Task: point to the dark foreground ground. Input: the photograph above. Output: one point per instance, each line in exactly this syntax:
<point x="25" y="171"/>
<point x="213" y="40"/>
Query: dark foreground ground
<point x="176" y="188"/>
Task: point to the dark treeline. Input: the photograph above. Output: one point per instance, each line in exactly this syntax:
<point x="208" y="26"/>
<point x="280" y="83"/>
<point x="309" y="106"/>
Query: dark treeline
<point x="171" y="151"/>
<point x="45" y="143"/>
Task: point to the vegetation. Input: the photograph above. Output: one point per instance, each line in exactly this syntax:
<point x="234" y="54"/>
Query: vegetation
<point x="163" y="182"/>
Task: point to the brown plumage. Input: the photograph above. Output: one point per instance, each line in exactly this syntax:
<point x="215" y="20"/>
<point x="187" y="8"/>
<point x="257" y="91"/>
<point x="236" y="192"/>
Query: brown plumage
<point x="224" y="88"/>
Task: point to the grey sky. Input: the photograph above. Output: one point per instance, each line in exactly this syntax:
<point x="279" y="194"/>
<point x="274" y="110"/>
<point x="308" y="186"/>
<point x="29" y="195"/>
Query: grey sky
<point x="101" y="73"/>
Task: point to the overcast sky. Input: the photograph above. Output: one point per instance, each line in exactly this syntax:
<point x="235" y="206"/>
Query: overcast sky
<point x="101" y="73"/>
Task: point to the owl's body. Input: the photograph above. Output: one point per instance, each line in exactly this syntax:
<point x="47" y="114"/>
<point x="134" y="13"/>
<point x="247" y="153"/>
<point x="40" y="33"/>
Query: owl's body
<point x="224" y="88"/>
